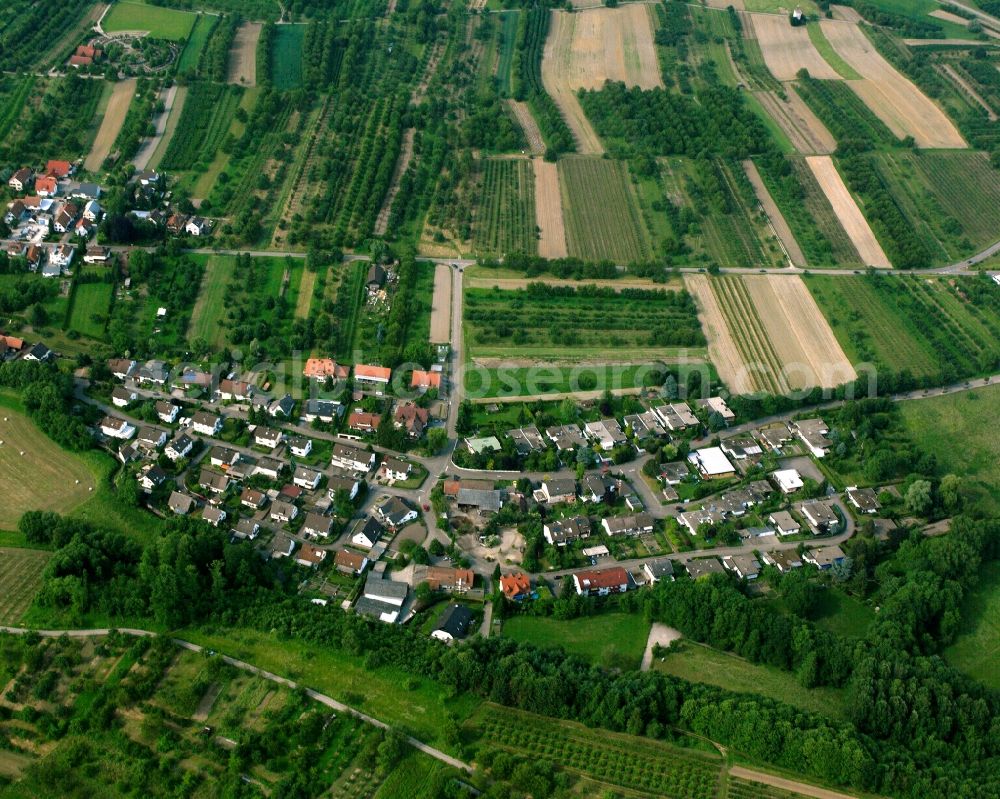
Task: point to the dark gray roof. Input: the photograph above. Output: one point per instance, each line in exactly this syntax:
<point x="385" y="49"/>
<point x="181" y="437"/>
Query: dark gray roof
<point x="455" y="621"/>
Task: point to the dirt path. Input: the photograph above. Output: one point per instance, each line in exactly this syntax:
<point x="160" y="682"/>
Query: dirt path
<point x="787" y="50"/>
<point x="304" y="300"/>
<point x="173" y="118"/>
<point x="207" y="701"/>
<point x="847" y="211"/>
<point x="781" y="228"/>
<point x="142" y="158"/>
<point x="405" y="154"/>
<point x="803" y="128"/>
<point x="435" y="58"/>
<point x="242" y="69"/>
<point x="963" y="84"/>
<point x="441" y="305"/>
<point x="660" y="634"/>
<point x="514" y="283"/>
<point x="722" y="349"/>
<point x="536" y="145"/>
<point x="789" y="785"/>
<point x="892" y="97"/>
<point x="548" y="210"/>
<point x="947" y="16"/>
<point x="111" y="125"/>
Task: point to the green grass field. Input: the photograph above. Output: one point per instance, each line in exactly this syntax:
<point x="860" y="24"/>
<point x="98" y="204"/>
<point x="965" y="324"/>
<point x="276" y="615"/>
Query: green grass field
<point x="608" y="639"/>
<point x="21" y="577"/>
<point x="698" y="663"/>
<point x="44" y="477"/>
<point x="843" y="615"/>
<point x="207" y="316"/>
<point x="845" y="70"/>
<point x="977" y="649"/>
<point x="90" y="308"/>
<point x="508" y="37"/>
<point x="287" y="56"/>
<point x="600" y="212"/>
<point x="162" y="23"/>
<point x="937" y="423"/>
<point x="487" y="382"/>
<point x="203" y="26"/>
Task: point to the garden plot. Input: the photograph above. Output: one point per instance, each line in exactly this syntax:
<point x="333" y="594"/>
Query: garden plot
<point x="548" y="210"/>
<point x="787" y="50"/>
<point x="243" y="55"/>
<point x="111" y="124"/>
<point x="847" y="211"/>
<point x="890" y="96"/>
<point x="586" y="48"/>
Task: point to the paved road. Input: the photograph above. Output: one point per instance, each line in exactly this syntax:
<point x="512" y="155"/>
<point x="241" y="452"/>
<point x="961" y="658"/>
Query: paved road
<point x="329" y="701"/>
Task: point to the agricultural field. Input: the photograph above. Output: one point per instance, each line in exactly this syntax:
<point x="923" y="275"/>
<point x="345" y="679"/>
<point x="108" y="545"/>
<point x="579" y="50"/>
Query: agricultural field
<point x="118" y="102"/>
<point x="242" y="69"/>
<point x="159" y="22"/>
<point x="936" y="329"/>
<point x="977" y="646"/>
<point x="496" y="378"/>
<point x="636" y="764"/>
<point x="699" y="663"/>
<point x="609" y="639"/>
<point x="788" y="49"/>
<point x="91" y="300"/>
<point x="767" y="334"/>
<point x="21" y="578"/>
<point x="286" y="56"/>
<point x="506" y="219"/>
<point x="549" y="210"/>
<point x="815" y="203"/>
<point x="600" y="213"/>
<point x="635" y="322"/>
<point x="804" y="130"/>
<point x="738" y="788"/>
<point x="59" y="480"/>
<point x="205" y="119"/>
<point x="35" y="30"/>
<point x="203" y="26"/>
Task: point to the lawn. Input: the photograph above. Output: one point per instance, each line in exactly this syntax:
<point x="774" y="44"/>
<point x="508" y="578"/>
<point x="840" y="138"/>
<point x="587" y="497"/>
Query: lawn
<point x="610" y="639"/>
<point x="35" y="472"/>
<point x="162" y="23"/>
<point x="977" y="649"/>
<point x="937" y="423"/>
<point x="287" y="56"/>
<point x="203" y="27"/>
<point x="843" y="615"/>
<point x="417" y="705"/>
<point x="21" y="577"/>
<point x="698" y="663"/>
<point x="207" y="316"/>
<point x="90" y="308"/>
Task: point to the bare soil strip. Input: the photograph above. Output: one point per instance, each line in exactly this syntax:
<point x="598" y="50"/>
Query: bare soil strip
<point x="111" y="125"/>
<point x="890" y="96"/>
<point x="724" y="4"/>
<point x="787" y="785"/>
<point x="207" y="701"/>
<point x="799" y="333"/>
<point x="586" y="48"/>
<point x="172" y="119"/>
<point x="303" y="301"/>
<point x="802" y="127"/>
<point x="243" y="55"/>
<point x="405" y="154"/>
<point x="722" y="349"/>
<point x="963" y="84"/>
<point x="787" y="50"/>
<point x="536" y="145"/>
<point x="847" y="211"/>
<point x="548" y="210"/>
<point x="441" y="305"/>
<point x="660" y="634"/>
<point x="142" y="158"/>
<point x="947" y="16"/>
<point x="781" y="228"/>
<point x="954" y="42"/>
<point x="514" y="283"/>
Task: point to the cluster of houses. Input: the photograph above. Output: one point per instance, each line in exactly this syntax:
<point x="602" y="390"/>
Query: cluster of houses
<point x="13" y="348"/>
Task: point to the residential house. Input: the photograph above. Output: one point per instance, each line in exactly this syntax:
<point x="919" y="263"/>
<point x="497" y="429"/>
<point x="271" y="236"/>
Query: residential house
<point x="223" y="457"/>
<point x="676" y="416"/>
<point x="151" y="476"/>
<point x="322" y="368"/>
<point x="300" y="446"/>
<point x="282" y="546"/>
<point x="310" y="556"/>
<point x="703" y="567"/>
<point x="10" y="347"/>
<point x="367" y="533"/>
<point x="527" y="440"/>
<point x="382" y="598"/>
<point x="674" y="473"/>
<point x="207" y="424"/>
<point x="375" y="378"/>
<point x="167" y="411"/>
<point x="364" y="422"/>
<point x="813" y="434"/>
<point x="485" y="444"/>
<point x="283" y="407"/>
<point x="352" y="458"/>
<point x="659" y="569"/>
<point x="246" y="528"/>
<point x="639" y="524"/>
<point x="92" y="211"/>
<point x="784" y="560"/>
<point x="306" y="478"/>
<point x="412" y="418"/>
<point x="198" y="226"/>
<point x="154" y="371"/>
<point x="21" y="179"/>
<point x="86" y="191"/>
<point x="96" y="254"/>
<point x="283" y="512"/>
<point x="712" y="463"/>
<point x="121" y="368"/>
<point x="565" y="437"/>
<point x="213" y="481"/>
<point x="774" y="436"/>
<point x="267" y="437"/>
<point x="783" y="522"/>
<point x="746" y="567"/>
<point x="151" y="438"/>
<point x="238" y="390"/>
<point x="46" y="186"/>
<point x="349" y="562"/>
<point x="123" y="397"/>
<point x="564" y="531"/>
<point x="694" y="519"/>
<point x="252" y="498"/>
<point x="820" y="515"/>
<point x="194" y="379"/>
<point x="61" y="255"/>
<point x="606" y="432"/>
<point x="179" y="503"/>
<point x="376" y="278"/>
<point x="395" y="469"/>
<point x="113" y="427"/>
<point x="515" y="586"/>
<point x="65" y="218"/>
<point x="176" y="223"/>
<point x="38" y="352"/>
<point x="601" y="582"/>
<point x="864" y="499"/>
<point x="342" y="481"/>
<point x="445" y="578"/>
<point x="316" y="524"/>
<point x="482" y="500"/>
<point x="213" y="515"/>
<point x="717" y="405"/>
<point x="321" y="410"/>
<point x="269" y="468"/>
<point x="179" y="447"/>
<point x="84" y="229"/>
<point x="597" y="488"/>
<point x="395" y="513"/>
<point x="559" y="490"/>
<point x="454" y="624"/>
<point x="424" y="381"/>
<point x="824" y="558"/>
<point x="645" y="425"/>
<point x="741" y="448"/>
<point x="244" y="468"/>
<point x="788" y="481"/>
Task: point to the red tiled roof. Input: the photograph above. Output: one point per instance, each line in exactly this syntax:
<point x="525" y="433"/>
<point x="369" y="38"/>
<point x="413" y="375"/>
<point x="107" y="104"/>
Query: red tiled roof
<point x="603" y="578"/>
<point x="324" y="367"/>
<point x="515" y="584"/>
<point x="59" y="169"/>
<point x="373" y="372"/>
<point x="46" y="183"/>
<point x="425" y="379"/>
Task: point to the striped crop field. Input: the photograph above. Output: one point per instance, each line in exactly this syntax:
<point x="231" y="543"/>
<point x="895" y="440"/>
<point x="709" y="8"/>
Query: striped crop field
<point x="506" y="219"/>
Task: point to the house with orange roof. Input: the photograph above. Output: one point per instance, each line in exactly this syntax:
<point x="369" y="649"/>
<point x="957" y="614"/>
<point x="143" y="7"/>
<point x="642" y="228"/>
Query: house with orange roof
<point x="46" y="186"/>
<point x="516" y="586"/>
<point x="425" y="380"/>
<point x="323" y="368"/>
<point x="374" y="377"/>
<point x="58" y="169"/>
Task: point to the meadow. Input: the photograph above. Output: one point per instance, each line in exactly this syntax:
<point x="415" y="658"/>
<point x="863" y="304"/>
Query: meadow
<point x="977" y="646"/>
<point x="203" y="27"/>
<point x="209" y="310"/>
<point x="90" y="304"/>
<point x="286" y="56"/>
<point x="21" y="577"/>
<point x="600" y="212"/>
<point x="162" y="23"/>
<point x="610" y="639"/>
<point x="505" y="220"/>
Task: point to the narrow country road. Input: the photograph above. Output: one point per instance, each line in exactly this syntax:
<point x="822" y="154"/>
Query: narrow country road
<point x="329" y="701"/>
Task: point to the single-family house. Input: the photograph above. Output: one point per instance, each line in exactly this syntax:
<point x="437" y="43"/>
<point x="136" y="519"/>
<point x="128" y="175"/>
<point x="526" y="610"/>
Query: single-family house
<point x="601" y="582"/>
<point x="213" y="515"/>
<point x="783" y="522"/>
<point x="746" y="567"/>
<point x="316" y="524"/>
<point x="411" y="418"/>
<point x="813" y="434"/>
<point x="154" y="372"/>
<point x="179" y="503"/>
<point x="151" y="476"/>
<point x="213" y="481"/>
<point x="454" y="624"/>
<point x="824" y="558"/>
<point x="515" y="586"/>
<point x="674" y="473"/>
<point x="306" y="478"/>
<point x="223" y="457"/>
<point x="349" y="562"/>
<point x="339" y="480"/>
<point x="321" y="410"/>
<point x="238" y="390"/>
<point x="639" y="524"/>
<point x="38" y="352"/>
<point x="121" y="368"/>
<point x="712" y="463"/>
<point x="352" y="458"/>
<point x="446" y="578"/>
<point x="282" y="406"/>
<point x="46" y="186"/>
<point x="864" y="499"/>
<point x="676" y="416"/>
<point x="606" y="432"/>
<point x="86" y="191"/>
<point x="151" y="438"/>
<point x="92" y="211"/>
<point x="267" y="437"/>
<point x="645" y="425"/>
<point x="367" y="533"/>
<point x="252" y="498"/>
<point x="61" y="255"/>
<point x="382" y="598"/>
<point x="694" y="519"/>
<point x="300" y="446"/>
<point x="21" y="179"/>
<point x="566" y="437"/>
<point x="559" y="490"/>
<point x="659" y="569"/>
<point x="310" y="556"/>
<point x="375" y="279"/>
<point x="788" y="481"/>
<point x="246" y="528"/>
<point x="527" y="439"/>
<point x="122" y="397"/>
<point x="395" y="513"/>
<point x="484" y="444"/>
<point x="283" y="512"/>
<point x="424" y="381"/>
<point x="269" y="468"/>
<point x="741" y="448"/>
<point x="97" y="254"/>
<point x="396" y="469"/>
<point x="784" y="560"/>
<point x="180" y="447"/>
<point x="820" y="515"/>
<point x="207" y="424"/>
<point x="374" y="378"/>
<point x="282" y="546"/>
<point x="597" y="488"/>
<point x="561" y="532"/>
<point x="198" y="226"/>
<point x="703" y="567"/>
<point x="364" y="422"/>
<point x="322" y="368"/>
<point x="114" y="427"/>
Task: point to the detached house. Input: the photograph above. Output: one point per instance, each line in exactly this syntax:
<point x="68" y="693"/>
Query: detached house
<point x="113" y="427"/>
<point x="564" y="531"/>
<point x="424" y="381"/>
<point x="214" y="516"/>
<point x="300" y="446"/>
<point x="395" y="513"/>
<point x="307" y="478"/>
<point x="352" y="458"/>
<point x="267" y="437"/>
<point x="96" y="254"/>
<point x="367" y="533"/>
<point x="322" y="368"/>
<point x="123" y="397"/>
<point x="349" y="562"/>
<point x="167" y="411"/>
<point x="559" y="490"/>
<point x="601" y="582"/>
<point x="283" y="512"/>
<point x="179" y="503"/>
<point x="516" y="586"/>
<point x="207" y="424"/>
<point x="180" y="447"/>
<point x="21" y="180"/>
<point x="374" y="378"/>
<point x="316" y="524"/>
<point x="238" y="390"/>
<point x="411" y="418"/>
<point x="310" y="556"/>
<point x="213" y="481"/>
<point x="197" y="226"/>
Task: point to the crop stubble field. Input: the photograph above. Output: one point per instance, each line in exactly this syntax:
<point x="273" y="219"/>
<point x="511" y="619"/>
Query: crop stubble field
<point x="21" y="577"/>
<point x="243" y="55"/>
<point x="549" y="210"/>
<point x="787" y="49"/>
<point x="114" y="116"/>
<point x="441" y="305"/>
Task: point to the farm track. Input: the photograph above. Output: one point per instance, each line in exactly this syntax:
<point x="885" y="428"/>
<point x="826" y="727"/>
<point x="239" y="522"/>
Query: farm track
<point x="949" y="72"/>
<point x="149" y="146"/>
<point x="402" y="162"/>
